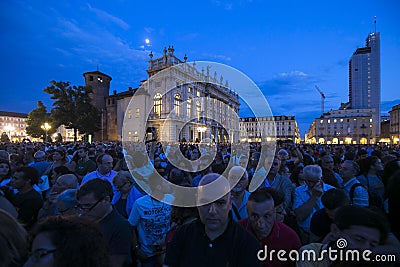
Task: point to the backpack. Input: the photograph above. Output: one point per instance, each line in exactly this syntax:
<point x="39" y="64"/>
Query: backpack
<point x="374" y="199"/>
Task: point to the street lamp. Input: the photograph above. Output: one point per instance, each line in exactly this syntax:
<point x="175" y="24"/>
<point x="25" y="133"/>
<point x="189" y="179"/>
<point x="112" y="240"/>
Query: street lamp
<point x="46" y="127"/>
<point x="9" y="128"/>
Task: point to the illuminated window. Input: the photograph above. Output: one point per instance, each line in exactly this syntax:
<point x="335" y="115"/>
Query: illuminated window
<point x="198" y="109"/>
<point x="189" y="89"/>
<point x="189" y="107"/>
<point x="322" y="121"/>
<point x="198" y="93"/>
<point x="177" y="104"/>
<point x="157" y="104"/>
<point x="129" y="113"/>
<point x="100" y="79"/>
<point x="137" y="114"/>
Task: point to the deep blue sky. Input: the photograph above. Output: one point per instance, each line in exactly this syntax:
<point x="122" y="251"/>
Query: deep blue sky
<point x="285" y="47"/>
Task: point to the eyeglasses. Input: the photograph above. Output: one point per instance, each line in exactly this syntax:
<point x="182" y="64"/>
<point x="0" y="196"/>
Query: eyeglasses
<point x="312" y="182"/>
<point x="36" y="255"/>
<point x="88" y="207"/>
<point x="70" y="208"/>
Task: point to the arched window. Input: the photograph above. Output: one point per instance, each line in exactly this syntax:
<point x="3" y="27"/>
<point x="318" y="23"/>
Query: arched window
<point x="177" y="104"/>
<point x="157" y="105"/>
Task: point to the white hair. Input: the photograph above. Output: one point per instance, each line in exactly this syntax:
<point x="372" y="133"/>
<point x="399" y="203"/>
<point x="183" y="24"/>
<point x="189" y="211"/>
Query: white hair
<point x="312" y="172"/>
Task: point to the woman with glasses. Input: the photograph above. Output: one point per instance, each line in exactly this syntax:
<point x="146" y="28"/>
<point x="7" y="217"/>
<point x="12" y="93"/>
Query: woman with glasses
<point x="67" y="241"/>
<point x="126" y="193"/>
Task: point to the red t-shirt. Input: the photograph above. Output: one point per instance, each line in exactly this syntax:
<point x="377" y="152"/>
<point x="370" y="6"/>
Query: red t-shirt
<point x="282" y="237"/>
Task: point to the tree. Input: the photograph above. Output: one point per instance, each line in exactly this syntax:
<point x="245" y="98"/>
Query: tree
<point x="4" y="138"/>
<point x="72" y="107"/>
<point x="37" y="118"/>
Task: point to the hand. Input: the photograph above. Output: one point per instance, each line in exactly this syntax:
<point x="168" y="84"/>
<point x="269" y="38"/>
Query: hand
<point x="318" y="189"/>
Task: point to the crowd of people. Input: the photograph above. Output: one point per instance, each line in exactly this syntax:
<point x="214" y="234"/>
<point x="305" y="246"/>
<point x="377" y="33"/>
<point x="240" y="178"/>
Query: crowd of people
<point x="81" y="204"/>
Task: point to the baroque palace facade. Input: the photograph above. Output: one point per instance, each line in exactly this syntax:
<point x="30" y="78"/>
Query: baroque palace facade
<point x="185" y="103"/>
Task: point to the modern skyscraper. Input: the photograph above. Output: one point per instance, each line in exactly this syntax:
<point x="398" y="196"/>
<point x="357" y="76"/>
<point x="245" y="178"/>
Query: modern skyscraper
<point x="365" y="79"/>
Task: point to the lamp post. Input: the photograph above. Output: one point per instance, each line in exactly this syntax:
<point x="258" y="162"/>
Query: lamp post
<point x="9" y="128"/>
<point x="46" y="127"/>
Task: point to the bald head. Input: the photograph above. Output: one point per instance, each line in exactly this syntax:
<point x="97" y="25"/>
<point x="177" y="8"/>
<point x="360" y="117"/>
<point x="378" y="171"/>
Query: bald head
<point x="211" y="177"/>
<point x="214" y="204"/>
<point x="68" y="180"/>
<point x="237" y="172"/>
<point x="208" y="193"/>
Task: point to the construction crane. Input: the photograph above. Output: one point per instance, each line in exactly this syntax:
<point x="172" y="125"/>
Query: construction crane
<point x="322" y="99"/>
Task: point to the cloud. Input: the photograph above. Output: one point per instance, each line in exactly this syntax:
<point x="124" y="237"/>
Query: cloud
<point x="215" y="57"/>
<point x="189" y="36"/>
<point x="103" y="15"/>
<point x="291" y="74"/>
<point x="386" y="106"/>
<point x="288" y="83"/>
<point x="100" y="47"/>
<point x="293" y="93"/>
<point x="63" y="52"/>
<point x="229" y="5"/>
<point x="98" y="42"/>
<point x="148" y="29"/>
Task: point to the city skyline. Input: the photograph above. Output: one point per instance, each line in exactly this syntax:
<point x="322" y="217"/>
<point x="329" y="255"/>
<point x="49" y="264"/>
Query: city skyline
<point x="285" y="48"/>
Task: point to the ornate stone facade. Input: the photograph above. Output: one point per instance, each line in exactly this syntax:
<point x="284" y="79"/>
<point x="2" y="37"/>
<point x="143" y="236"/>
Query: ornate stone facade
<point x="269" y="128"/>
<point x="186" y="104"/>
